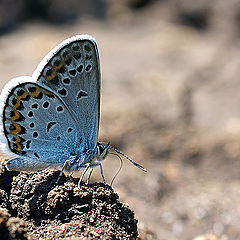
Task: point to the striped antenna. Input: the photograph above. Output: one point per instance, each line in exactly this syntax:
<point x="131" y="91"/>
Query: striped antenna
<point x="129" y="159"/>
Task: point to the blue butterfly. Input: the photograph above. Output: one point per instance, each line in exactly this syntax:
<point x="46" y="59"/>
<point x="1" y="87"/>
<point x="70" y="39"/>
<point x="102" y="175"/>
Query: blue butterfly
<point x="51" y="120"/>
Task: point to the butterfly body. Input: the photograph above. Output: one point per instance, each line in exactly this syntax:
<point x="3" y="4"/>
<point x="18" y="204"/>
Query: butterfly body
<point x="76" y="161"/>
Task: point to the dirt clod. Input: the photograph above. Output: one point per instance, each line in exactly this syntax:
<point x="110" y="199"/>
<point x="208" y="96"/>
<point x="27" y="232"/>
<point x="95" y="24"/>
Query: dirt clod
<point x="64" y="210"/>
<point x="6" y="178"/>
<point x="11" y="227"/>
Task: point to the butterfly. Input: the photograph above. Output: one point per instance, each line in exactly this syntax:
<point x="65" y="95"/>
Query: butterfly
<point x="51" y="120"/>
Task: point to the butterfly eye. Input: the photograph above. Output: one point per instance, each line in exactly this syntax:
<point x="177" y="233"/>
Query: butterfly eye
<point x="101" y="149"/>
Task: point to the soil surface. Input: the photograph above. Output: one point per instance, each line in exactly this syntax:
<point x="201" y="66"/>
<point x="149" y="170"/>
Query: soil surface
<point x="169" y="100"/>
<point x="45" y="210"/>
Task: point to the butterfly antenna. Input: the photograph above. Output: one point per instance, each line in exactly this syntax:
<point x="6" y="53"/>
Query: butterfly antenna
<point x="121" y="164"/>
<point x="129" y="159"/>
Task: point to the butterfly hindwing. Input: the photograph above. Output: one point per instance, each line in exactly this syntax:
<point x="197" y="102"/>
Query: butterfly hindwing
<point x="38" y="125"/>
<point x="73" y="74"/>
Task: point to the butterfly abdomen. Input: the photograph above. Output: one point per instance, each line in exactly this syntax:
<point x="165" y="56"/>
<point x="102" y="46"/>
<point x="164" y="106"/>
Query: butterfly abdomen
<point x="21" y="164"/>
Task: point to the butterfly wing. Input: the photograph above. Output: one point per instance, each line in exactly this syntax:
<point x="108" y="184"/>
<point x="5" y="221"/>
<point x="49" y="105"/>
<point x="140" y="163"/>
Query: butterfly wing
<point x="38" y="125"/>
<point x="72" y="71"/>
<point x="49" y="116"/>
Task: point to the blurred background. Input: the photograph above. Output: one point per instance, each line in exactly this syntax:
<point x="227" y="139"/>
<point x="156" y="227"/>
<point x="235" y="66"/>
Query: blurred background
<point x="170" y="101"/>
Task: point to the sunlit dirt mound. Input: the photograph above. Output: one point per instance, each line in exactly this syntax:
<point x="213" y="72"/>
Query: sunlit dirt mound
<point x="44" y="209"/>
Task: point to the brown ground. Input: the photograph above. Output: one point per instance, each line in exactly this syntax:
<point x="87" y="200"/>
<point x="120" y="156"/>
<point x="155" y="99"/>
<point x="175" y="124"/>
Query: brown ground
<point x="170" y="100"/>
<point x="51" y="211"/>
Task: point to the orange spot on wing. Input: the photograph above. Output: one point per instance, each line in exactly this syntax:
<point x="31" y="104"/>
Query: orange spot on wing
<point x="54" y="72"/>
<point x="52" y="76"/>
<point x="59" y="66"/>
<point x="24" y="95"/>
<point x="16" y="116"/>
<point x="18" y="103"/>
<point x="36" y="93"/>
<point x="19" y="99"/>
<point x="19" y="145"/>
<point x="17" y="130"/>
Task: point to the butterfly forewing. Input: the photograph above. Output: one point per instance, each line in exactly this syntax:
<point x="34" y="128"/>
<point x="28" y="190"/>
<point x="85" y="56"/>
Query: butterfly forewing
<point x="73" y="74"/>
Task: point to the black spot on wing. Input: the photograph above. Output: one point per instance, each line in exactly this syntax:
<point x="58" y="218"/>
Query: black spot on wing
<point x="50" y="96"/>
<point x="49" y="125"/>
<point x="32" y="89"/>
<point x="62" y="92"/>
<point x="39" y="96"/>
<point x="30" y="113"/>
<point x="27" y="98"/>
<point x="14" y="101"/>
<point x="23" y="130"/>
<point x="62" y="70"/>
<point x="55" y="80"/>
<point x="46" y="104"/>
<point x="28" y="144"/>
<point x="12" y="114"/>
<point x="20" y="118"/>
<point x="73" y="72"/>
<point x="36" y="155"/>
<point x="20" y="107"/>
<point x="12" y="127"/>
<point x="80" y="68"/>
<point x="20" y="92"/>
<point x="59" y="108"/>
<point x="88" y="67"/>
<point x="35" y="134"/>
<point x="35" y="105"/>
<point x="49" y="72"/>
<point x="57" y="62"/>
<point x="81" y="94"/>
<point x="66" y="81"/>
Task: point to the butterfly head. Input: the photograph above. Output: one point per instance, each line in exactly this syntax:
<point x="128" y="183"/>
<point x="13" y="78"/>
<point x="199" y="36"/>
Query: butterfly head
<point x="102" y="151"/>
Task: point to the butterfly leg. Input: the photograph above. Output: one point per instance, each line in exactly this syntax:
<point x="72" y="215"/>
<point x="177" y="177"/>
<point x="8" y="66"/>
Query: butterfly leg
<point x="90" y="173"/>
<point x="67" y="162"/>
<point x="71" y="177"/>
<point x="101" y="169"/>
<point x="87" y="166"/>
